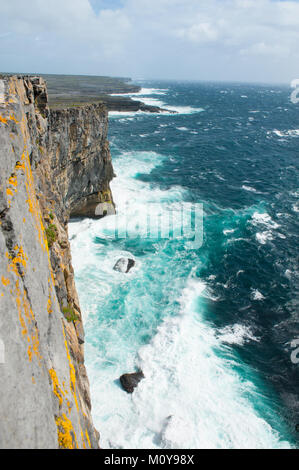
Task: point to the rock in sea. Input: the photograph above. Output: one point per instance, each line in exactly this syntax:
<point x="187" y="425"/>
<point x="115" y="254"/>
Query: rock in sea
<point x="130" y="381"/>
<point x="124" y="265"/>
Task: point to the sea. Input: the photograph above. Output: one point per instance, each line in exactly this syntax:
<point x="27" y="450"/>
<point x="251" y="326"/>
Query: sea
<point x="213" y="325"/>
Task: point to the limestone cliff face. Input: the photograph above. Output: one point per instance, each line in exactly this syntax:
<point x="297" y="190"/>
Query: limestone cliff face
<point x="53" y="164"/>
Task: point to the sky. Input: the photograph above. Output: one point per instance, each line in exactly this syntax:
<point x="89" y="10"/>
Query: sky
<point x="218" y="40"/>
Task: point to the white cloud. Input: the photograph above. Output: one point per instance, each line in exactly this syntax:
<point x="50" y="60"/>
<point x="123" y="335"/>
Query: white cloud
<point x="266" y="50"/>
<point x="216" y="39"/>
<point x="200" y="32"/>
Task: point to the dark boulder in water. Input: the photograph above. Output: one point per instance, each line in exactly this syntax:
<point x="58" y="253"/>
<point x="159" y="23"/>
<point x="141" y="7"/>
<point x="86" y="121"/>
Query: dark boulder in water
<point x="130" y="381"/>
<point x="124" y="265"/>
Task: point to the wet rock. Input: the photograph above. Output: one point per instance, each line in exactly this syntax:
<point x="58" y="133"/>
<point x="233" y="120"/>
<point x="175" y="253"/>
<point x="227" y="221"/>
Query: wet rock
<point x="124" y="265"/>
<point x="130" y="381"/>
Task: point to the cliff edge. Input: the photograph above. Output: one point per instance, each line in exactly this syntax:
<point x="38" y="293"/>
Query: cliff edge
<point x="53" y="164"/>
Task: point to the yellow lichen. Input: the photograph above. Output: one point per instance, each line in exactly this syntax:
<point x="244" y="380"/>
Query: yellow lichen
<point x="20" y="166"/>
<point x="87" y="437"/>
<point x="56" y="388"/>
<point x="5" y="281"/>
<point x="72" y="378"/>
<point x="18" y="260"/>
<point x="19" y="308"/>
<point x="28" y="324"/>
<point x="12" y="118"/>
<point x="13" y="180"/>
<point x="29" y="352"/>
<point x="66" y="434"/>
<point x="49" y="307"/>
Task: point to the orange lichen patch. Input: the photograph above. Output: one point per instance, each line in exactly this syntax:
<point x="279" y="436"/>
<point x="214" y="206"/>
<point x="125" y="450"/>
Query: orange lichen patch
<point x="18" y="261"/>
<point x="65" y="432"/>
<point x="13" y="181"/>
<point x="19" y="308"/>
<point x="32" y="202"/>
<point x="5" y="281"/>
<point x="58" y="392"/>
<point x="87" y="437"/>
<point x="20" y="166"/>
<point x="69" y="405"/>
<point x="11" y="190"/>
<point x="35" y="343"/>
<point x="29" y="352"/>
<point x="12" y="118"/>
<point x="28" y="323"/>
<point x="49" y="306"/>
<point x="33" y="380"/>
<point x="72" y="379"/>
<point x="3" y="120"/>
<point x="72" y="370"/>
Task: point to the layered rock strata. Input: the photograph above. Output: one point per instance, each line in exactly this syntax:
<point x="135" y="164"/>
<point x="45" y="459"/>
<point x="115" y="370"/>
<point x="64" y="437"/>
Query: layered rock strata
<point x="53" y="164"/>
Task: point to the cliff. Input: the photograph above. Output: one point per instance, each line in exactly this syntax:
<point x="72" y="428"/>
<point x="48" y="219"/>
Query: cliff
<point x="53" y="164"/>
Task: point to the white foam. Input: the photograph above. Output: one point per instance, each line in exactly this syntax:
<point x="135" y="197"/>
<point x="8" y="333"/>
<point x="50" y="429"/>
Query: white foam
<point x="228" y="231"/>
<point x="166" y="112"/>
<point x="125" y="113"/>
<point x="183" y="109"/>
<point x="289" y="133"/>
<point x="150" y="101"/>
<point x="143" y="91"/>
<point x="155" y="102"/>
<point x="192" y="396"/>
<point x="236" y="334"/>
<point x="183" y="401"/>
<point x="263" y="237"/>
<point x="264" y="219"/>
<point x="249" y="188"/>
<point x="257" y="295"/>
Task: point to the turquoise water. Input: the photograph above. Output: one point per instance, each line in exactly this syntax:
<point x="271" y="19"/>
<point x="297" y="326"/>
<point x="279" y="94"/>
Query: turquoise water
<point x="210" y="327"/>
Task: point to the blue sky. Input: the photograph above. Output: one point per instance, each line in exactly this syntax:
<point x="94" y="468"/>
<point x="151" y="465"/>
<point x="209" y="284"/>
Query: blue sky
<point x="239" y="40"/>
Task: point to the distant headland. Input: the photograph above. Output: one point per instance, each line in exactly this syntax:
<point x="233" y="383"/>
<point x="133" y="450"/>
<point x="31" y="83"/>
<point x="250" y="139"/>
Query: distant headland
<point x="67" y="91"/>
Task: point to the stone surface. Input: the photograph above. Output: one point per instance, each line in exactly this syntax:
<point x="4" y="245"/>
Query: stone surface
<point x="52" y="164"/>
<point x="130" y="381"/>
<point x="124" y="265"/>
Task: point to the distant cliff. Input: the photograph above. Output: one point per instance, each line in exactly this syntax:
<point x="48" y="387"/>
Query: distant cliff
<point x="53" y="164"/>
